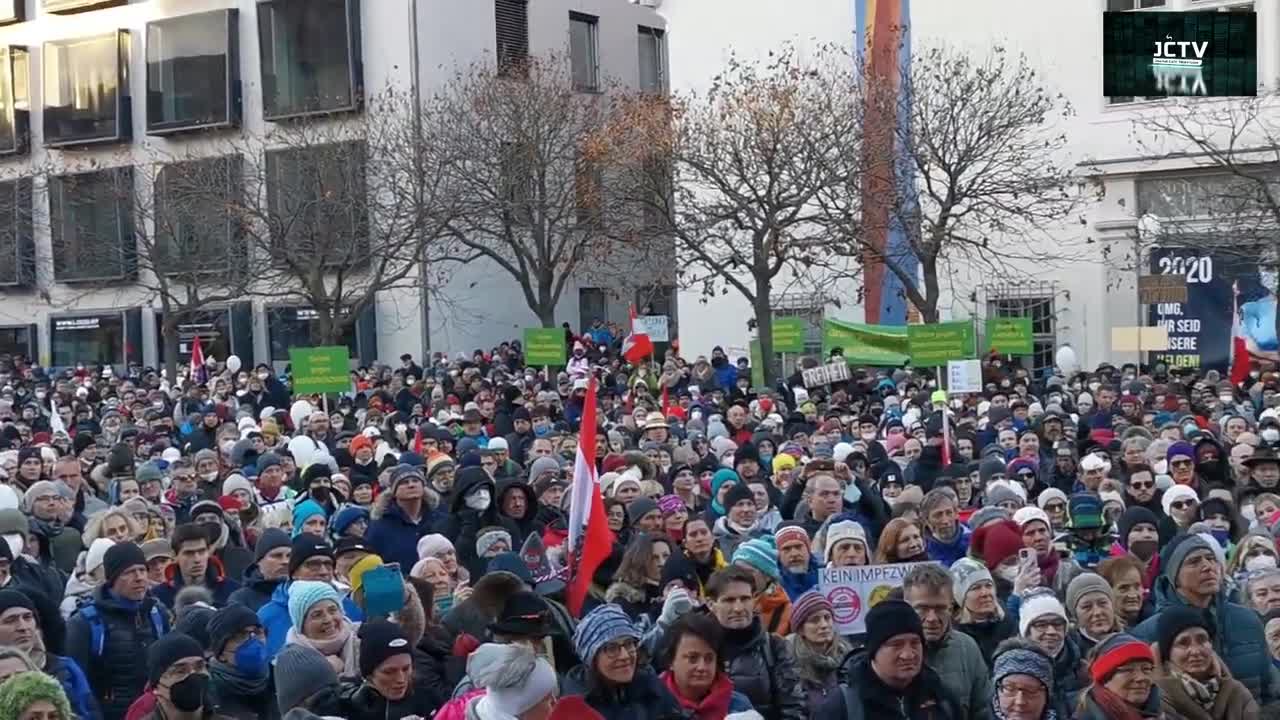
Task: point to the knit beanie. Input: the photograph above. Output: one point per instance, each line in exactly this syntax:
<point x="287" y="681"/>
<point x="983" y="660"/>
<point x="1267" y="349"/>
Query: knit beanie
<point x="604" y="624"/>
<point x="806" y="606"/>
<point x="513" y="677"/>
<point x="935" y="497"/>
<point x="843" y="530"/>
<point x="38" y="489"/>
<point x="346" y="517"/>
<point x="965" y="573"/>
<point x="1048" y="495"/>
<point x="1037" y="606"/>
<point x="671" y="504"/>
<point x="379" y="641"/>
<point x="791" y="532"/>
<point x="25" y="689"/>
<point x="545" y="465"/>
<point x="227" y="622"/>
<point x="1177" y="551"/>
<point x="1000" y="492"/>
<point x="1031" y="513"/>
<point x="1131" y="518"/>
<point x="1182" y="448"/>
<point x="301" y="671"/>
<point x="96" y="554"/>
<point x="13" y="521"/>
<point x="1173" y="620"/>
<point x="433" y="545"/>
<point x="996" y="542"/>
<point x="304" y="594"/>
<point x="355" y="576"/>
<point x="1175" y="494"/>
<point x="889" y="619"/>
<point x="166" y="651"/>
<point x="234" y="482"/>
<point x="269" y="540"/>
<point x="1085" y="511"/>
<point x="15" y="598"/>
<point x="737" y="494"/>
<point x="304" y="511"/>
<point x="987" y="514"/>
<point x="760" y="554"/>
<point x="304" y="547"/>
<point x="119" y="558"/>
<point x="1024" y="661"/>
<point x="783" y="462"/>
<point x="1115" y="652"/>
<point x="1086" y="583"/>
<point x="489" y="537"/>
<point x="403" y="472"/>
<point x="640" y="507"/>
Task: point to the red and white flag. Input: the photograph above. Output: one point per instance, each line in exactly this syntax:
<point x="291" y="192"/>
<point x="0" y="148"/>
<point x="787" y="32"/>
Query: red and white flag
<point x="590" y="540"/>
<point x="636" y="346"/>
<point x="197" y="362"/>
<point x="1239" y="350"/>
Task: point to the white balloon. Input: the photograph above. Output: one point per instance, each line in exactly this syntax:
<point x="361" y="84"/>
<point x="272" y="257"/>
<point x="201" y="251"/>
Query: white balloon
<point x="1066" y="360"/>
<point x="233" y="363"/>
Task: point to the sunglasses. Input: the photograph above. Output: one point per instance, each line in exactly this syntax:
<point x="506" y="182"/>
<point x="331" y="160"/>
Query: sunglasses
<point x="1180" y="463"/>
<point x="1142" y="485"/>
<point x="1182" y="504"/>
<point x="1055" y="507"/>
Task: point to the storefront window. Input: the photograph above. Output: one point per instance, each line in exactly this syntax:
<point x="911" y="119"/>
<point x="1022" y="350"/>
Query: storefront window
<point x="213" y="328"/>
<point x="17" y="341"/>
<point x="88" y="339"/>
<point x="292" y="327"/>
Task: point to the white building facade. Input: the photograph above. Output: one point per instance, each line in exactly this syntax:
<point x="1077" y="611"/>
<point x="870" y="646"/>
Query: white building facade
<point x="78" y="79"/>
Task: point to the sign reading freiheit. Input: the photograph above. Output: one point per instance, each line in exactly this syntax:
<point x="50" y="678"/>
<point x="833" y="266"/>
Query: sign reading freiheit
<point x="320" y="369"/>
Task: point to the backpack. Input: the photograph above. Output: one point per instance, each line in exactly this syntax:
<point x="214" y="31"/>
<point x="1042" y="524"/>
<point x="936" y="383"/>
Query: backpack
<point x="98" y="627"/>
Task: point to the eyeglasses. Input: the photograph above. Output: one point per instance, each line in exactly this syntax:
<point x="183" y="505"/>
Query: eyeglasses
<point x="1182" y="504"/>
<point x="1180" y="463"/>
<point x="620" y="647"/>
<point x="1010" y="690"/>
<point x="1050" y="624"/>
<point x="1055" y="507"/>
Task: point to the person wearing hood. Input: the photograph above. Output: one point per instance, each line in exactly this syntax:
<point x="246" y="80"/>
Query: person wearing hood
<point x="1192" y="577"/>
<point x="228" y="544"/>
<point x="515" y="683"/>
<point x="722" y="482"/>
<point x="270" y="568"/>
<point x="611" y="679"/>
<point x="317" y="485"/>
<point x="516" y="501"/>
<point x="946" y="539"/>
<point x="194" y="565"/>
<point x="473" y="509"/>
<point x="403" y="514"/>
<point x="980" y="614"/>
<point x="1211" y="466"/>
<point x="739" y="521"/>
<point x="760" y="558"/>
<point x="797" y="567"/>
<point x="239" y="669"/>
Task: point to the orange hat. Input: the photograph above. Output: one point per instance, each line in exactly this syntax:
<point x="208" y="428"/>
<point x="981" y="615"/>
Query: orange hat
<point x="359" y="442"/>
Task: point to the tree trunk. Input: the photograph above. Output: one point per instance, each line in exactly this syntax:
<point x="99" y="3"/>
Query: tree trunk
<point x="763" y="307"/>
<point x="546" y="315"/>
<point x="169" y="336"/>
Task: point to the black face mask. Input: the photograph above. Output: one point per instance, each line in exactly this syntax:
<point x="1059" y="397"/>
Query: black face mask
<point x="188" y="695"/>
<point x="320" y="495"/>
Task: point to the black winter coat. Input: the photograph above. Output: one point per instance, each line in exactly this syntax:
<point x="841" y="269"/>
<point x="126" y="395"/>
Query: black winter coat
<point x="463" y="524"/>
<point x="761" y="667"/>
<point x="923" y="699"/>
<point x="989" y="634"/>
<point x="119" y="674"/>
<point x="360" y="701"/>
<point x="645" y="698"/>
<point x="436" y="671"/>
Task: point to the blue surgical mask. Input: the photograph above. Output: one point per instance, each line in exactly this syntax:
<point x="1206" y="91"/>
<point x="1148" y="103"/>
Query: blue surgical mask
<point x="251" y="657"/>
<point x="853" y="493"/>
<point x="1222" y="536"/>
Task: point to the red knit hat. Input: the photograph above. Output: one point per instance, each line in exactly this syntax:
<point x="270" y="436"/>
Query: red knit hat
<point x="1115" y="652"/>
<point x="613" y="462"/>
<point x="996" y="542"/>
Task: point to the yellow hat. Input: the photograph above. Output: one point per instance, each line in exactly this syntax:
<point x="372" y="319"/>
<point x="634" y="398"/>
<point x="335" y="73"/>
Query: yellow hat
<point x="362" y="566"/>
<point x="939" y="396"/>
<point x="784" y="461"/>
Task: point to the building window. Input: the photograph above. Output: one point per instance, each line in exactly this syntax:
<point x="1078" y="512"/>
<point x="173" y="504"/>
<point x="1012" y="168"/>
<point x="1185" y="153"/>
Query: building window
<point x="15" y="100"/>
<point x="91" y="218"/>
<point x="1126" y="99"/>
<point x="593" y="303"/>
<point x="193" y="72"/>
<point x="1043" y="326"/>
<point x="317" y="205"/>
<point x="88" y="339"/>
<point x="584" y="51"/>
<point x="292" y="327"/>
<point x="13" y="11"/>
<point x="310" y="57"/>
<point x="17" y="244"/>
<point x="653" y="60"/>
<point x="512" y="24"/>
<point x="86" y="90"/>
<point x="194" y="231"/>
<point x="1122" y="5"/>
<point x="71" y="6"/>
<point x="213" y="327"/>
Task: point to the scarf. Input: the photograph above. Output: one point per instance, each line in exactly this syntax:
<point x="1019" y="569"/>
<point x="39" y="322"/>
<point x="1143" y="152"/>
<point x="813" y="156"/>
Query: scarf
<point x="340" y="650"/>
<point x="713" y="706"/>
<point x="818" y="665"/>
<point x="245" y="686"/>
<point x="1205" y="694"/>
<point x="1114" y="707"/>
<point x="998" y="714"/>
<point x="1048" y="567"/>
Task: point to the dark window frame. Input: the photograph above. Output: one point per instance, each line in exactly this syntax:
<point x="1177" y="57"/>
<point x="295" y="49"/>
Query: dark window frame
<point x="13" y="11"/>
<point x="124" y="227"/>
<point x="276" y="313"/>
<point x="23" y="261"/>
<point x="123" y="100"/>
<point x="113" y="316"/>
<point x="233" y="95"/>
<point x="357" y="210"/>
<point x="15" y="60"/>
<point x="76" y="6"/>
<point x="355" y="64"/>
<point x="659" y="36"/>
<point x="233" y="249"/>
<point x="593" y="50"/>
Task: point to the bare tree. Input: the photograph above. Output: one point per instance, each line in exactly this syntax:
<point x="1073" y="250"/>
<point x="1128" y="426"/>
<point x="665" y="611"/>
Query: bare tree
<point x="528" y="162"/>
<point x="971" y="167"/>
<point x="737" y="175"/>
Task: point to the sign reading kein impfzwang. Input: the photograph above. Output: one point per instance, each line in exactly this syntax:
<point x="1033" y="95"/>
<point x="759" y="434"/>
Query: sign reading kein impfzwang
<point x="1199" y="53"/>
<point x="855" y="590"/>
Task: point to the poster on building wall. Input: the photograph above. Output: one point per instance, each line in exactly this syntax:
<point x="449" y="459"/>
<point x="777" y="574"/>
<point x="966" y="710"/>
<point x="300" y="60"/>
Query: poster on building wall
<point x="1222" y="289"/>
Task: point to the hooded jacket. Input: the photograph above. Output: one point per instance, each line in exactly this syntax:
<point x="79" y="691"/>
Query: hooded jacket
<point x="462" y="524"/>
<point x="255" y="590"/>
<point x="1238" y="639"/>
<point x="527" y="525"/>
<point x="393" y="534"/>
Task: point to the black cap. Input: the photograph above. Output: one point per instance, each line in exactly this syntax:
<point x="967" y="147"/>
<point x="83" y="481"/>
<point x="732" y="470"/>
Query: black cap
<point x="525" y="614"/>
<point x="168" y="650"/>
<point x="119" y="558"/>
<point x="227" y="622"/>
<point x="269" y="540"/>
<point x="380" y="640"/>
<point x="889" y="619"/>
<point x="305" y="547"/>
<point x="1173" y="620"/>
<point x="15" y="598"/>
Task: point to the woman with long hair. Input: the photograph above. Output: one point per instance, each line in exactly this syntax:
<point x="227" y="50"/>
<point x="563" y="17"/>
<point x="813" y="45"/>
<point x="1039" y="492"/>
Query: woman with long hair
<point x="636" y="586"/>
<point x="817" y="648"/>
<point x="901" y="541"/>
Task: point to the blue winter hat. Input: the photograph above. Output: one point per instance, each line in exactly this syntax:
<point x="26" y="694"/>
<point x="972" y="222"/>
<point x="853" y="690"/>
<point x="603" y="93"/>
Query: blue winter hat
<point x="412" y="458"/>
<point x="761" y="555"/>
<point x="345" y="517"/>
<point x="722" y="476"/>
<point x="304" y="511"/>
<point x="605" y="624"/>
<point x="304" y="594"/>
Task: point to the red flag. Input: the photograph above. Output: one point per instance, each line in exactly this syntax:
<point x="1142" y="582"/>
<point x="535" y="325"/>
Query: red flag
<point x="197" y="362"/>
<point x="590" y="540"/>
<point x="1239" y="350"/>
<point x="417" y="440"/>
<point x="666" y="403"/>
<point x="636" y="346"/>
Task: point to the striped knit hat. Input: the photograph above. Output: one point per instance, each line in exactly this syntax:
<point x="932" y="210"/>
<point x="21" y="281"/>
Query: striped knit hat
<point x="1024" y="661"/>
<point x="604" y="624"/>
<point x="671" y="504"/>
<point x="760" y="554"/>
<point x="967" y="572"/>
<point x="790" y="532"/>
<point x="806" y="606"/>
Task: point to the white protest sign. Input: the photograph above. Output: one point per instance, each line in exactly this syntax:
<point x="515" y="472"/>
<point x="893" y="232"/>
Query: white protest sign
<point x="852" y="591"/>
<point x="964" y="376"/>
<point x="655" y="326"/>
<point x="835" y="372"/>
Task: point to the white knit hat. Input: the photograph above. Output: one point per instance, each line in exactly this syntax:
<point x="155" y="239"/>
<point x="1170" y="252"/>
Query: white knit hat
<point x="843" y="530"/>
<point x="1049" y="494"/>
<point x="1031" y="513"/>
<point x="1174" y="494"/>
<point x="97" y="551"/>
<point x="1038" y="606"/>
<point x="513" y="677"/>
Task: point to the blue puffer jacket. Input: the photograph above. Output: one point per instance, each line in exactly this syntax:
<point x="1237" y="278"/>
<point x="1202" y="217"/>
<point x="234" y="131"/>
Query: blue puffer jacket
<point x="949" y="552"/>
<point x="1238" y="639"/>
<point x="275" y="619"/>
<point x="76" y="685"/>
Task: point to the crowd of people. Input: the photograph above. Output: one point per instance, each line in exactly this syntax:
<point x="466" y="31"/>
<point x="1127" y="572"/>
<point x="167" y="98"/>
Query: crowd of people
<point x="1083" y="544"/>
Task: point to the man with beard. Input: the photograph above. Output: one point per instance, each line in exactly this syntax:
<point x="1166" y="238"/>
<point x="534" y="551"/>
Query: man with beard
<point x="946" y="539"/>
<point x="798" y="566"/>
<point x="1140" y="490"/>
<point x="953" y="655"/>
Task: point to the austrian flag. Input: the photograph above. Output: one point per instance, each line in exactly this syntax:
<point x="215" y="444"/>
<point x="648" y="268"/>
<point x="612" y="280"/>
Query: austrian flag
<point x="636" y="346"/>
<point x="590" y="540"/>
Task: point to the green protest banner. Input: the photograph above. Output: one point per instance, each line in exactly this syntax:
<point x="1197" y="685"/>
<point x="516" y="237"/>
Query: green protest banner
<point x="788" y="334"/>
<point x="320" y="369"/>
<point x="936" y="343"/>
<point x="1010" y="335"/>
<point x="866" y="344"/>
<point x="544" y="346"/>
<point x="757" y="364"/>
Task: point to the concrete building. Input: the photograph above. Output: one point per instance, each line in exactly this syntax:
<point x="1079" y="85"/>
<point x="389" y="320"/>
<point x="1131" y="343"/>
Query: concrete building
<point x="1076" y="303"/>
<point x="76" y="86"/>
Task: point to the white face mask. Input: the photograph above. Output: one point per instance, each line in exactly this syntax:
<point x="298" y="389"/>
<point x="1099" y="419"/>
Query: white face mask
<point x="869" y="436"/>
<point x="209" y="476"/>
<point x="1008" y="572"/>
<point x="1260" y="562"/>
<point x="16" y="543"/>
<point x="1271" y="435"/>
<point x="479" y="500"/>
